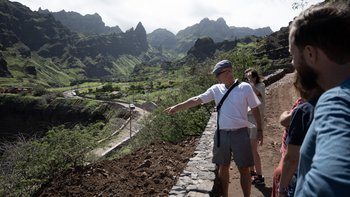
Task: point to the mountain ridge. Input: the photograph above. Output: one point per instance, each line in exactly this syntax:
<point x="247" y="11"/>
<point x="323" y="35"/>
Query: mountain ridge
<point x="37" y="48"/>
<point x="162" y="38"/>
<point x="89" y="23"/>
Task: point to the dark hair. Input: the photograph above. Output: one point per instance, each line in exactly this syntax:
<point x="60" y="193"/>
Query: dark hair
<point x="306" y="92"/>
<point x="327" y="26"/>
<point x="254" y="74"/>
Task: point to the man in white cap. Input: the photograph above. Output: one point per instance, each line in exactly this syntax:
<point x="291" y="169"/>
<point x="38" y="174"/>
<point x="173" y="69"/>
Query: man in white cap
<point x="231" y="137"/>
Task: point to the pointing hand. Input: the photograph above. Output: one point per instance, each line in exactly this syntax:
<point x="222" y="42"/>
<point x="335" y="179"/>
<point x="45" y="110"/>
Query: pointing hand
<point x="170" y="110"/>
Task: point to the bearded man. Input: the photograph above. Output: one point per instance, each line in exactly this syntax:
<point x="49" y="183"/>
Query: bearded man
<point x="319" y="42"/>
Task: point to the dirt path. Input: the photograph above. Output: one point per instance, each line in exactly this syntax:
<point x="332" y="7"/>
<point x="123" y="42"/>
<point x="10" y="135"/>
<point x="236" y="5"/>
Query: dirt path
<point x="280" y="97"/>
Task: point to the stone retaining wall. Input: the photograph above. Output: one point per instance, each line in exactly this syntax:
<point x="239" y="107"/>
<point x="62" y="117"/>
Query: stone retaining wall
<point x="199" y="175"/>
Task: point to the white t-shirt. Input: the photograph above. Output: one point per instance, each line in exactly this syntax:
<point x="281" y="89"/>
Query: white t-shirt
<point x="261" y="88"/>
<point x="233" y="113"/>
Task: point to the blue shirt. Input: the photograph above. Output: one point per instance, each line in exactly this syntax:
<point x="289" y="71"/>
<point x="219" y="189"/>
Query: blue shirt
<point x="324" y="164"/>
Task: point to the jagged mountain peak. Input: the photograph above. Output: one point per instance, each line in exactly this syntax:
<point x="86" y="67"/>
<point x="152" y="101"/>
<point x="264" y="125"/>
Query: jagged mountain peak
<point x="89" y="23"/>
<point x="221" y="20"/>
<point x="205" y="27"/>
<point x="162" y="38"/>
<point x="204" y="20"/>
<point x="139" y="27"/>
<point x="159" y="30"/>
<point x="217" y="30"/>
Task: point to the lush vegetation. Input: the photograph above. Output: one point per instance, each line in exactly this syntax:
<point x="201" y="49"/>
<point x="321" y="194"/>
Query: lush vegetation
<point x="52" y="72"/>
<point x="28" y="163"/>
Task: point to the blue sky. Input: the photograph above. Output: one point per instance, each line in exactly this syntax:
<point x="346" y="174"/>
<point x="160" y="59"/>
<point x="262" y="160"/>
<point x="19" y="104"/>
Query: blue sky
<point x="175" y="15"/>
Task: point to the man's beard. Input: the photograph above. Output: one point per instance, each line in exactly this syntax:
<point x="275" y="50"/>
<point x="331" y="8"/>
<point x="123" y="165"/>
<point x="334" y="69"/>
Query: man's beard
<point x="308" y="77"/>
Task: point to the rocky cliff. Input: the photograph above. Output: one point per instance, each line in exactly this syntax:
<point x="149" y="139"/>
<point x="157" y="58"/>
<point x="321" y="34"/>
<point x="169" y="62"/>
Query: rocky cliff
<point x="37" y="115"/>
<point x="55" y="52"/>
<point x="89" y="23"/>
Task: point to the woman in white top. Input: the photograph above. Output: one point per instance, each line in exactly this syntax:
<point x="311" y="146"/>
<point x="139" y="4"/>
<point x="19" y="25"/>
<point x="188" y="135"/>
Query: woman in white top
<point x="253" y="79"/>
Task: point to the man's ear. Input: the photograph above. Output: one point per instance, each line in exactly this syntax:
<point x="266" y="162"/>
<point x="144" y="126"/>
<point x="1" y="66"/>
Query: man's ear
<point x="310" y="54"/>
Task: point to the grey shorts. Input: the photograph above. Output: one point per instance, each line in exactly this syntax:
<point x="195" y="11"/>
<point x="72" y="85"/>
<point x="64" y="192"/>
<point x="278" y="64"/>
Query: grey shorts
<point x="234" y="143"/>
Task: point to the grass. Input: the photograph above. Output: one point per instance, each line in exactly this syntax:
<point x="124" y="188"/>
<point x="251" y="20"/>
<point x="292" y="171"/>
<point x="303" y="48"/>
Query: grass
<point x="125" y="64"/>
<point x="82" y="87"/>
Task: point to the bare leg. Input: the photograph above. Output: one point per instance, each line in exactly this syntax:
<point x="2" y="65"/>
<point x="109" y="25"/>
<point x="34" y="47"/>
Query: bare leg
<point x="224" y="176"/>
<point x="252" y="168"/>
<point x="257" y="161"/>
<point x="245" y="181"/>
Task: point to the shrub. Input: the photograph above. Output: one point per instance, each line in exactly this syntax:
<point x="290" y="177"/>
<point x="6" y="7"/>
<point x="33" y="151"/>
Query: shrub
<point x="39" y="90"/>
<point x="26" y="164"/>
<point x="176" y="127"/>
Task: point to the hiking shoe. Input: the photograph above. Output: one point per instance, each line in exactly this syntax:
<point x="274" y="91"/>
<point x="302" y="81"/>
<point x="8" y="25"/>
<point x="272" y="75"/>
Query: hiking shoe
<point x="258" y="180"/>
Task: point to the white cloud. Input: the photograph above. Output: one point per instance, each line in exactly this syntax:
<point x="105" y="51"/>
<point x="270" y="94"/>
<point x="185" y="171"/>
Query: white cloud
<point x="176" y="15"/>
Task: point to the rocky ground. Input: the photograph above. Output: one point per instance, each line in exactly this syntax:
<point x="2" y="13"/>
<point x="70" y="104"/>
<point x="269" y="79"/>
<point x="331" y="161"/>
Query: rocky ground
<point x="153" y="171"/>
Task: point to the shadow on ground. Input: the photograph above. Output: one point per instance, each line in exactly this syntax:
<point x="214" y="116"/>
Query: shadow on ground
<point x="266" y="191"/>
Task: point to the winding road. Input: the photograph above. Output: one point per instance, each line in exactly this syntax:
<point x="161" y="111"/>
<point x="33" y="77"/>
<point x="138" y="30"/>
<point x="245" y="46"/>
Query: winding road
<point x="121" y="135"/>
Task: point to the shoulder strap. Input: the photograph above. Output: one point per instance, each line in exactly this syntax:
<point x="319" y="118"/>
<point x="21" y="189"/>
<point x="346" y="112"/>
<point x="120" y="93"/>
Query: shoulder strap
<point x="226" y="94"/>
<point x="218" y="110"/>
